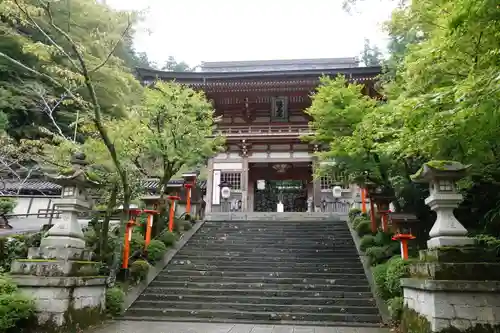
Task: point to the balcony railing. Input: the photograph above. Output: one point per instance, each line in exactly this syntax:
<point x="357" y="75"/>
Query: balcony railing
<point x="264" y="130"/>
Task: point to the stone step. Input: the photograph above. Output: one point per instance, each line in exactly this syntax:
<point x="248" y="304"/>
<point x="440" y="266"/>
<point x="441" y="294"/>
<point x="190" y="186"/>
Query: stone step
<point x="260" y="280"/>
<point x="359" y="274"/>
<point x="259" y="285"/>
<point x="261" y="307"/>
<point x="290" y="267"/>
<point x="259" y="293"/>
<point x="252" y="252"/>
<point x="257" y="259"/>
<point x="317" y="301"/>
<point x="253" y="315"/>
<point x="285" y="240"/>
<point x="307" y="324"/>
<point x="263" y="229"/>
<point x="271" y="245"/>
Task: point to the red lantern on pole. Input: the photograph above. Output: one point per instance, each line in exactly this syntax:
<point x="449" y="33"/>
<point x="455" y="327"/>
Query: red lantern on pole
<point x="402" y="223"/>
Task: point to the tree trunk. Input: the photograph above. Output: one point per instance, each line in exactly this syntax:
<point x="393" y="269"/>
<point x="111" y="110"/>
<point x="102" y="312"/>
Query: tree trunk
<point x="103" y="241"/>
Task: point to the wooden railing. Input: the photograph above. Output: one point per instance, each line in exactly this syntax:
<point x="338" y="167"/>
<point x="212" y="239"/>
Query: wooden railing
<point x="265" y="130"/>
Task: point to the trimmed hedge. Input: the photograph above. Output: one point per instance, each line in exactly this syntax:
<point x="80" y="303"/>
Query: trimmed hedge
<point x="156" y="251"/>
<point x="363" y="228"/>
<point x="114" y="301"/>
<point x="366" y="242"/>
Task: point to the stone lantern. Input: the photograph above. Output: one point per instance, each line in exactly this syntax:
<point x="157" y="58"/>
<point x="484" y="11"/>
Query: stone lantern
<point x="66" y="231"/>
<point x="443" y="199"/>
<point x="67" y="287"/>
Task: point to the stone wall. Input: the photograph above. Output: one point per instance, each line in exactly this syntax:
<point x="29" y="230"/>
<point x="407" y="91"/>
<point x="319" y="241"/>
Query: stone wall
<point x="458" y="304"/>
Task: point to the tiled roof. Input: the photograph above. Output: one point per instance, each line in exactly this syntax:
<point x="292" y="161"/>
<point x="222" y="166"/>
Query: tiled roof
<point x="13" y="186"/>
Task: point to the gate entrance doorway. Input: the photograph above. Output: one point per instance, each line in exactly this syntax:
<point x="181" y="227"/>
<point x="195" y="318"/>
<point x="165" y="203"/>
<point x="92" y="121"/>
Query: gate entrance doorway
<point x="292" y="193"/>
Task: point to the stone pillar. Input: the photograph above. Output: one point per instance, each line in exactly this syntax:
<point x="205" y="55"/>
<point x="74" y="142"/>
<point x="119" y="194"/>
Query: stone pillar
<point x="59" y="275"/>
<point x="454" y="286"/>
<point x="244" y="184"/>
<point x="210" y="182"/>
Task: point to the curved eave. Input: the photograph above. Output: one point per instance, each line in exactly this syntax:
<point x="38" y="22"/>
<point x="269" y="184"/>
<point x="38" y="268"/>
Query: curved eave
<point x="207" y="77"/>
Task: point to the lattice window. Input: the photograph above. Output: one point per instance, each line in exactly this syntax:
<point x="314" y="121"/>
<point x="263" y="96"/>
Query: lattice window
<point x="233" y="178"/>
<point x="338" y="178"/>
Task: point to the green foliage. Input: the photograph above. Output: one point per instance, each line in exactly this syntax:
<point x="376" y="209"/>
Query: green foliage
<point x="357" y="220"/>
<point x="395" y="306"/>
<point x="168" y="238"/>
<point x="487" y="241"/>
<point x="139" y="270"/>
<point x="15" y="247"/>
<point x="364" y="228"/>
<point x="156" y="251"/>
<point x="366" y="242"/>
<point x="14" y="306"/>
<point x="7" y="205"/>
<point x="137" y="242"/>
<point x="379" y="277"/>
<point x="376" y="254"/>
<point x="383" y="238"/>
<point x="396" y="270"/>
<point x="354" y="212"/>
<point x="114" y="301"/>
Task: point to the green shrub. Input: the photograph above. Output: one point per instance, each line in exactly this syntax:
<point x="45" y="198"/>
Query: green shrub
<point x="14" y="306"/>
<point x="357" y="220"/>
<point x="487" y="241"/>
<point x="383" y="238"/>
<point x="114" y="301"/>
<point x="395" y="306"/>
<point x="156" y="251"/>
<point x="364" y="228"/>
<point x="137" y="242"/>
<point x="376" y="255"/>
<point x="139" y="271"/>
<point x="7" y="205"/>
<point x="379" y="277"/>
<point x="187" y="225"/>
<point x="353" y="212"/>
<point x="168" y="238"/>
<point x="367" y="241"/>
<point x="396" y="270"/>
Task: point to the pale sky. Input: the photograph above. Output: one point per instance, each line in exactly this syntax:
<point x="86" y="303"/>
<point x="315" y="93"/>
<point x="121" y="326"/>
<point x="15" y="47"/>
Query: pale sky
<point x="226" y="30"/>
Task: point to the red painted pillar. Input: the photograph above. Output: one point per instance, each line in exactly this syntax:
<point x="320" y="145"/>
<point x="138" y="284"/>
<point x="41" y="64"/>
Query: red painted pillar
<point x="188" y="198"/>
<point x="149" y="226"/>
<point x="363" y="200"/>
<point x="173" y="199"/>
<point x="372" y="216"/>
<point x="133" y="213"/>
<point x="403" y="239"/>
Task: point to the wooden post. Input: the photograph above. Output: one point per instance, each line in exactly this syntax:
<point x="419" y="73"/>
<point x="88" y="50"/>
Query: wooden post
<point x="126" y="245"/>
<point x="149" y="226"/>
<point x="172" y="199"/>
<point x="363" y="200"/>
<point x="372" y="216"/>
<point x="188" y="198"/>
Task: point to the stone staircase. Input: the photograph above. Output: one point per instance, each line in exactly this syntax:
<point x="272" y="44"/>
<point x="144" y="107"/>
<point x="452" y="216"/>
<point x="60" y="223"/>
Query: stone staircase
<point x="263" y="272"/>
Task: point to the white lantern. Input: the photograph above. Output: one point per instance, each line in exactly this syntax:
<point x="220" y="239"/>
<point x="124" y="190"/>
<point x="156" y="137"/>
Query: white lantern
<point x="225" y="192"/>
<point x="261" y="184"/>
<point x="337" y="191"/>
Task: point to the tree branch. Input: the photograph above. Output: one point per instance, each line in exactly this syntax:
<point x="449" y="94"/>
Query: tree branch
<point x="124" y="33"/>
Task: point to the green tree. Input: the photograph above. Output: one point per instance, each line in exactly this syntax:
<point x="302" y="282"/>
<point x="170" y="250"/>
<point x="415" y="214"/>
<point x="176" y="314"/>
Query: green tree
<point x="178" y="130"/>
<point x="371" y="55"/>
<point x="172" y="65"/>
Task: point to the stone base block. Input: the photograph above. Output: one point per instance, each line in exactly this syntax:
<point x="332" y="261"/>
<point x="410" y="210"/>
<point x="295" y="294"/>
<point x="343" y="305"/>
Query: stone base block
<point x="441" y="241"/>
<point x="59" y="254"/>
<point x="466" y="254"/>
<point x="42" y="267"/>
<point x="470" y="271"/>
<point x="451" y="305"/>
<point x="64" y="302"/>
